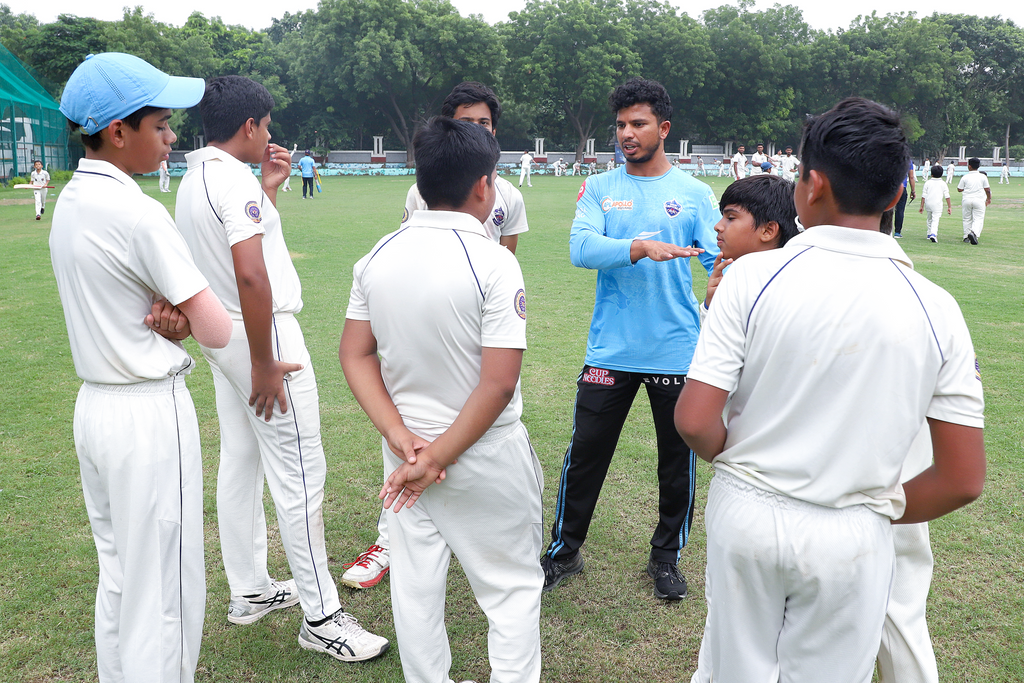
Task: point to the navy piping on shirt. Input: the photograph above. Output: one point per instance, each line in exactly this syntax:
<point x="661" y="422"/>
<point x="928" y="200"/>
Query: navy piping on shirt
<point x="935" y="336"/>
<point x="207" y="189"/>
<point x="749" y="315"/>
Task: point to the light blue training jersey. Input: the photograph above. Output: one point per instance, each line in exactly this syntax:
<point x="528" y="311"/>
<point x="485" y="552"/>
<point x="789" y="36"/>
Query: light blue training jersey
<point x="645" y="315"/>
<point x="306" y="165"/>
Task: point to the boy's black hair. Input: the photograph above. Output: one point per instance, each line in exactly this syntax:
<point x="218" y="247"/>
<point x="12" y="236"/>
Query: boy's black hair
<point x="94" y="142"/>
<point x="471" y="92"/>
<point x="450" y="157"/>
<point x="936" y="171"/>
<point x="974" y="163"/>
<point x="860" y="146"/>
<point x="642" y="91"/>
<point x="767" y="198"/>
<point x="229" y="102"/>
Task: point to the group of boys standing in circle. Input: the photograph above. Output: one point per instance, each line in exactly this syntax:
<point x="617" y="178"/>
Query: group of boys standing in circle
<point x="432" y="350"/>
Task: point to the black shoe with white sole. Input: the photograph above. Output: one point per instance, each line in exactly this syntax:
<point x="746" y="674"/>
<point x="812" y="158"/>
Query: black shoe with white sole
<point x="555" y="572"/>
<point x="669" y="584"/>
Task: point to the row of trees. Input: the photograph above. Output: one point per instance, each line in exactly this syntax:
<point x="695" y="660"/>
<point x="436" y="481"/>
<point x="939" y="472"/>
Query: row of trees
<point x="354" y="68"/>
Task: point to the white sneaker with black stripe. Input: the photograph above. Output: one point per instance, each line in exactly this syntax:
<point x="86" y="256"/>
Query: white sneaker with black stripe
<point x="343" y="638"/>
<point x="250" y="609"/>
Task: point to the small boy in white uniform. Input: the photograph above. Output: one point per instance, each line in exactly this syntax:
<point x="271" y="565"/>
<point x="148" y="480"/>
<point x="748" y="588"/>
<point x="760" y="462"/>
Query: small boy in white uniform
<point x="800" y="549"/>
<point x="931" y="199"/>
<point x="230" y="221"/>
<point x="474" y="103"/>
<point x="130" y="293"/>
<point x="575" y="168"/>
<point x="950" y="173"/>
<point x="40" y="178"/>
<point x="977" y="196"/>
<point x="432" y="349"/>
<point x="1004" y="174"/>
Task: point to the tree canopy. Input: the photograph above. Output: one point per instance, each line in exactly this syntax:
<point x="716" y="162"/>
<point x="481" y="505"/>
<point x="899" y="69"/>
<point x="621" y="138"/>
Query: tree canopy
<point x="354" y="68"/>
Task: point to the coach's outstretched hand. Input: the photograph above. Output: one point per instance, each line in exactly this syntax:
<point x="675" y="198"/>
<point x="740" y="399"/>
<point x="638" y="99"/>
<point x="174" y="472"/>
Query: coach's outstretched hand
<point x="660" y="251"/>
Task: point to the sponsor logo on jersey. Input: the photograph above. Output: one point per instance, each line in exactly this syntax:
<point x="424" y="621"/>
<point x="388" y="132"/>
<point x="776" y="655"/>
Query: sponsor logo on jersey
<point x="598" y="376"/>
<point x="582" y="188"/>
<point x="252" y="210"/>
<point x="519" y="303"/>
<point x="712" y="201"/>
<point x="607" y="204"/>
<point x="580" y="212"/>
<point x="405" y="215"/>
<point x="499" y="216"/>
<point x="672" y="208"/>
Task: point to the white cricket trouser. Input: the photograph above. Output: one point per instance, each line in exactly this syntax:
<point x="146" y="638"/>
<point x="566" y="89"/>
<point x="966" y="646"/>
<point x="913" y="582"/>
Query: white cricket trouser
<point x="906" y="654"/>
<point x="797" y="591"/>
<point x="165" y="181"/>
<point x="933" y="215"/>
<point x="142" y="476"/>
<point x="289" y="452"/>
<point x="488" y="512"/>
<point x="973" y="209"/>
<point x="40" y="196"/>
<point x="524" y="174"/>
<point x="1004" y="178"/>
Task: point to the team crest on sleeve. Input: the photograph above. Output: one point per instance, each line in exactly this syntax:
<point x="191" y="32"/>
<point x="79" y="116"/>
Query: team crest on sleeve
<point x="672" y="208"/>
<point x="583" y="187"/>
<point x="499" y="216"/>
<point x="252" y="210"/>
<point x="519" y="303"/>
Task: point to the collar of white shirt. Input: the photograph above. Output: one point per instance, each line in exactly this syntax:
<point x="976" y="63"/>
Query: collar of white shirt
<point x="851" y="241"/>
<point x="447" y="220"/>
<point x="210" y="153"/>
<point x="100" y="167"/>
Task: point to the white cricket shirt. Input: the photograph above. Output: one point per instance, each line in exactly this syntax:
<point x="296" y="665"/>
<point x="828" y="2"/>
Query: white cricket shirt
<point x="756" y="160"/>
<point x="525" y="161"/>
<point x="436" y="292"/>
<point x="789" y="164"/>
<point x="115" y="251"/>
<point x="40" y="178"/>
<point x="508" y="216"/>
<point x="741" y="165"/>
<point x="221" y="203"/>
<point x="973" y="185"/>
<point x="834" y="351"/>
<point x="934" y="192"/>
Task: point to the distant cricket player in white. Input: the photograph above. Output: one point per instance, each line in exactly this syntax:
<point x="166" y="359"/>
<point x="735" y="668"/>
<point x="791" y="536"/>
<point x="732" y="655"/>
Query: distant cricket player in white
<point x="739" y="164"/>
<point x="165" y="177"/>
<point x="788" y="165"/>
<point x="950" y="173"/>
<point x="40" y="178"/>
<point x="1004" y="174"/>
<point x="525" y="165"/>
<point x="758" y="158"/>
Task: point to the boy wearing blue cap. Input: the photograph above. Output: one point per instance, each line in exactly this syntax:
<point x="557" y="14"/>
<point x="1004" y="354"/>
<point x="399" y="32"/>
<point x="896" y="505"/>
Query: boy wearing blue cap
<point x="130" y="292"/>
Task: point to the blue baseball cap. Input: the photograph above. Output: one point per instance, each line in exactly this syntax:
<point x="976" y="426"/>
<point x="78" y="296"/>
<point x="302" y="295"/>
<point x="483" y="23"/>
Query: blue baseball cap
<point x="112" y="85"/>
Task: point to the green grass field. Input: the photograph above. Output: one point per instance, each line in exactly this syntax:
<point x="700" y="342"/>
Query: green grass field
<point x="603" y="625"/>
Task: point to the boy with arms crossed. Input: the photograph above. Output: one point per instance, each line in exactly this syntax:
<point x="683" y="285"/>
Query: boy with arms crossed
<point x="231" y="223"/>
<point x="444" y="308"/>
<point x="800" y="550"/>
<point x="474" y="103"/>
<point x="119" y="262"/>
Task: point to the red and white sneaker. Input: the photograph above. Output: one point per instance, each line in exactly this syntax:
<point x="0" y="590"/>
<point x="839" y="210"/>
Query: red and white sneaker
<point x="368" y="569"/>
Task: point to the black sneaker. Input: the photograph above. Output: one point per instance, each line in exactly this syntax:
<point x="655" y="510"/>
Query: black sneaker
<point x="669" y="584"/>
<point x="972" y="238"/>
<point x="933" y="238"/>
<point x="555" y="571"/>
<point x="967" y="240"/>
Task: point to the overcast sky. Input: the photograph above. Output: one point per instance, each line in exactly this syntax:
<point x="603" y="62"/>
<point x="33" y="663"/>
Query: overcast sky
<point x="818" y="13"/>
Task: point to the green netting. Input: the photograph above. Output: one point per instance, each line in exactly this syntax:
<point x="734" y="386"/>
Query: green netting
<point x="31" y="125"/>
